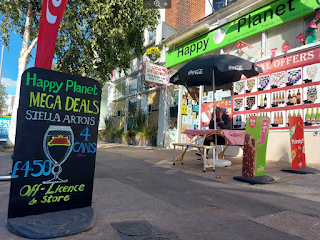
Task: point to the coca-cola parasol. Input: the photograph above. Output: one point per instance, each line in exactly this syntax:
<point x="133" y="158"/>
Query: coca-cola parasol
<point x="225" y="69"/>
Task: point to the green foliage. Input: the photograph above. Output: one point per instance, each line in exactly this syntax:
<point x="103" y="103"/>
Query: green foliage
<point x="139" y="121"/>
<point x="95" y="36"/>
<point x="110" y="124"/>
<point x="3" y="97"/>
<point x="130" y="133"/>
<point x="119" y="132"/>
<point x="151" y="131"/>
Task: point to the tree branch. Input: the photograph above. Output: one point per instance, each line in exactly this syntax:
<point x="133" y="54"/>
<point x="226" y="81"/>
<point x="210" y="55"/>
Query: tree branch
<point x="32" y="45"/>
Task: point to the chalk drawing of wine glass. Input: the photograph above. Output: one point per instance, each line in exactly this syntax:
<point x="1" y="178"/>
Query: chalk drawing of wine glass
<point x="57" y="146"/>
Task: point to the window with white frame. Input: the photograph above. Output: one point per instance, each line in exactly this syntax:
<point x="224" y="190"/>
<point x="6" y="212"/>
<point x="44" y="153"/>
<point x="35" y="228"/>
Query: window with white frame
<point x="120" y="89"/>
<point x="133" y="85"/>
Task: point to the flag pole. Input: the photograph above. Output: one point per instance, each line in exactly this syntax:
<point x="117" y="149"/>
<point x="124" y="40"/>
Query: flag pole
<point x="1" y="64"/>
<point x="214" y="158"/>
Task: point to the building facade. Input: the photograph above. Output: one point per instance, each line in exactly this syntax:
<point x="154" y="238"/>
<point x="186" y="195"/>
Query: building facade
<point x="280" y="36"/>
<point x="128" y="91"/>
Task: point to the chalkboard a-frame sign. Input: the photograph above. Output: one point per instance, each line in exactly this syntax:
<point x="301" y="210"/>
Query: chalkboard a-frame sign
<point x="56" y="142"/>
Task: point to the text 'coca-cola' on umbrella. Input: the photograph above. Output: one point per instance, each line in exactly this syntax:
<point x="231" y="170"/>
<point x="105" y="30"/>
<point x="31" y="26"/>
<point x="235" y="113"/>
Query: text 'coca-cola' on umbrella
<point x="227" y="69"/>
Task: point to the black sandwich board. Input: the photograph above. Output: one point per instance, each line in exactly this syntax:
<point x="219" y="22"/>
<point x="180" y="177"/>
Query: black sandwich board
<point x="56" y="142"/>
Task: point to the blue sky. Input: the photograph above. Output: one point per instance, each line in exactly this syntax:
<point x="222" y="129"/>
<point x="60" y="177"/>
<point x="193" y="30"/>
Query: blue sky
<point x="10" y="63"/>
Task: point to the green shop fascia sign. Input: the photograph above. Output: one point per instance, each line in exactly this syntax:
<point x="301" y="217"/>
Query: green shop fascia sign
<point x="267" y="17"/>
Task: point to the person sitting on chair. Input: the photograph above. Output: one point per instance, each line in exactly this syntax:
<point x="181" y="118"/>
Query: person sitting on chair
<point x="223" y="122"/>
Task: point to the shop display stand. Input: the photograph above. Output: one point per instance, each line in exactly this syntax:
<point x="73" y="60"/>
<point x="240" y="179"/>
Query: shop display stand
<point x="305" y="170"/>
<point x="256" y="180"/>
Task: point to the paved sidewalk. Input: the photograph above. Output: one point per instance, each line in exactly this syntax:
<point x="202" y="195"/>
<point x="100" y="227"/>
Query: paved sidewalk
<point x="141" y="184"/>
<point x="302" y="186"/>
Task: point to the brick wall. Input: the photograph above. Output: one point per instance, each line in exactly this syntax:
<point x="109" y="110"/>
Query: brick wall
<point x="184" y="12"/>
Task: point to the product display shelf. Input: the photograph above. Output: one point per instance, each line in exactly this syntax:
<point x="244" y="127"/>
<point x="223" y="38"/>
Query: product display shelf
<point x="271" y="109"/>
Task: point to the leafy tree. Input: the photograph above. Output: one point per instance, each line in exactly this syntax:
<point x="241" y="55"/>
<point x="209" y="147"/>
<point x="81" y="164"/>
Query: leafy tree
<point x="3" y="97"/>
<point x="95" y="36"/>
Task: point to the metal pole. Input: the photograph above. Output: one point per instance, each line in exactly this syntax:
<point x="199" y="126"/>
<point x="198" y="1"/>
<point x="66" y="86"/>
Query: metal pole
<point x="165" y="115"/>
<point x="215" y="122"/>
<point x="1" y="64"/>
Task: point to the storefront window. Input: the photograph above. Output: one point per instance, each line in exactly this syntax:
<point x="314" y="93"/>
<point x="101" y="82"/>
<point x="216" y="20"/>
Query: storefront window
<point x="120" y="89"/>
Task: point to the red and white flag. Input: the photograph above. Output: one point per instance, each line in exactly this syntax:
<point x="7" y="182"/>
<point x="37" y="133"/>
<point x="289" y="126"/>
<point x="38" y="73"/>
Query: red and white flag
<point x="240" y="45"/>
<point x="273" y="51"/>
<point x="317" y="16"/>
<point x="164" y="87"/>
<point x="51" y="16"/>
<point x="228" y="51"/>
<point x="300" y="37"/>
<point x="151" y="85"/>
<point x="313" y="25"/>
<point x="285" y="47"/>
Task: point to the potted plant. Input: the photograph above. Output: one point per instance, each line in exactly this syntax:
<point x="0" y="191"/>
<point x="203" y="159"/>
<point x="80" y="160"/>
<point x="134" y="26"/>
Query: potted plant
<point x="128" y="136"/>
<point x="109" y="131"/>
<point x="151" y="136"/>
<point x="118" y="134"/>
<point x="139" y="122"/>
<point x="139" y="138"/>
<point x="153" y="53"/>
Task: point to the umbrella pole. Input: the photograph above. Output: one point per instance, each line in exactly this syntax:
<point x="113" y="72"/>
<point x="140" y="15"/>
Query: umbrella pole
<point x="214" y="158"/>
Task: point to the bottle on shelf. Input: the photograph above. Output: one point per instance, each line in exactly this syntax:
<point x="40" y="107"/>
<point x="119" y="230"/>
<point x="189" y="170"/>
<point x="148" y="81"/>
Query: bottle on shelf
<point x="282" y="98"/>
<point x="289" y="97"/>
<point x="317" y="117"/>
<point x="307" y="117"/>
<point x="299" y="114"/>
<point x="275" y="120"/>
<point x="294" y="97"/>
<point x="313" y="117"/>
<point x="298" y="97"/>
<point x="274" y="98"/>
<point x="261" y="101"/>
<point x="277" y="98"/>
<point x="289" y="116"/>
<point x="294" y="113"/>
<point x="265" y="100"/>
<point x="281" y="118"/>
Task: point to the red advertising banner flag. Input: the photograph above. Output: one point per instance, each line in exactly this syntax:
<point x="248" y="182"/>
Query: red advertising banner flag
<point x="51" y="16"/>
<point x="317" y="16"/>
<point x="298" y="157"/>
<point x="273" y="51"/>
<point x="313" y="25"/>
<point x="240" y="45"/>
<point x="300" y="37"/>
<point x="285" y="47"/>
